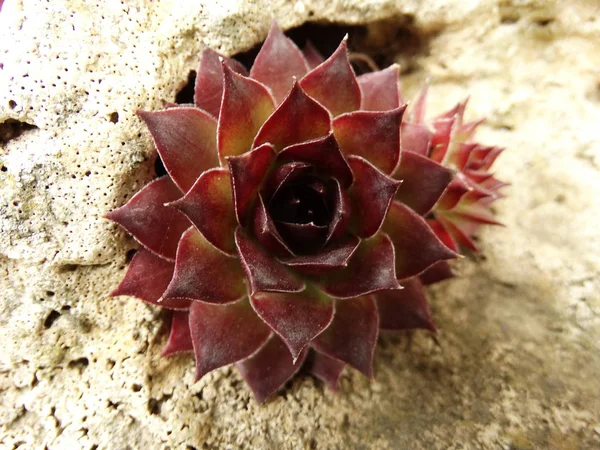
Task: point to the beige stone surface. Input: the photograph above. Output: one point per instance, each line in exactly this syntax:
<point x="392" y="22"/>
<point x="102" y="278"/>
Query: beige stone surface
<point x="516" y="364"/>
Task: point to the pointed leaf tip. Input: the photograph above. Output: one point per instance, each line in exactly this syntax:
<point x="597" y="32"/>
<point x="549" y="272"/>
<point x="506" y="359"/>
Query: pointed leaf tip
<point x="246" y="106"/>
<point x="224" y="334"/>
<point x="381" y="89"/>
<point x="154" y="225"/>
<point x="416" y="245"/>
<point x="296" y="317"/>
<point x="324" y="154"/>
<point x="374" y="136"/>
<point x="180" y="338"/>
<point x="370" y="269"/>
<point x="352" y="335"/>
<point x="278" y="63"/>
<point x="333" y="83"/>
<point x="204" y="273"/>
<point x="208" y="88"/>
<point x="209" y="206"/>
<point x="248" y="172"/>
<point x="371" y="193"/>
<point x="147" y="278"/>
<point x="185" y="138"/>
<point x="263" y="271"/>
<point x="297" y="119"/>
<point x="404" y="309"/>
<point x="423" y="182"/>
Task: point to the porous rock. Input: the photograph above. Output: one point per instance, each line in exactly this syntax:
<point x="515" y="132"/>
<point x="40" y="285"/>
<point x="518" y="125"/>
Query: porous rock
<point x="516" y="362"/>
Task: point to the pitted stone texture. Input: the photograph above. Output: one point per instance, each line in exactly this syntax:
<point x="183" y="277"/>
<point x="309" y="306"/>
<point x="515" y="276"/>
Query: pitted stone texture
<point x="517" y="359"/>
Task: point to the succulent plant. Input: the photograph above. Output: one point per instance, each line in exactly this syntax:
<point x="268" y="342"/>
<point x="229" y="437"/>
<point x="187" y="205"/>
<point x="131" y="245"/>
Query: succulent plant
<point x="299" y="215"/>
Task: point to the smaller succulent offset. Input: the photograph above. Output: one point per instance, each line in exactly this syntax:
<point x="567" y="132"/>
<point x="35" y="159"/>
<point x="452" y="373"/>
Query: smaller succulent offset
<point x="300" y="215"/>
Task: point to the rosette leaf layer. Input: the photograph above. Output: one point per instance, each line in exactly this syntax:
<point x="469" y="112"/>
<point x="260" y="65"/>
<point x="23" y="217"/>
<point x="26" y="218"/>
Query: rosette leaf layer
<point x="300" y="214"/>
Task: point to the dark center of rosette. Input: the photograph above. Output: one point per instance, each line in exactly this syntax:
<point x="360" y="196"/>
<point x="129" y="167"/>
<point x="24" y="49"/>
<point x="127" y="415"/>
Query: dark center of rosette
<point x="302" y="211"/>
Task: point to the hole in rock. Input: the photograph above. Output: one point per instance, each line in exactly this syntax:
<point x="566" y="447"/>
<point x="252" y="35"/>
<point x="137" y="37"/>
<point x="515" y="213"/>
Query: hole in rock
<point x="159" y="167"/>
<point x="112" y="404"/>
<point x="12" y="129"/>
<point x="79" y="364"/>
<point x="383" y="43"/>
<point x="51" y="318"/>
<point x="67" y="268"/>
<point x="186" y="93"/>
<point x="129" y="255"/>
<point x="155" y="404"/>
<point x="544" y="22"/>
<point x="12" y="104"/>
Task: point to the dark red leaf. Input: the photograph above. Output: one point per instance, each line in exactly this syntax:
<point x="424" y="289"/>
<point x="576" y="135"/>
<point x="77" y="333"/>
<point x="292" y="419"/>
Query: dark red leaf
<point x="380" y="90"/>
<point x="352" y="335"/>
<point x="333" y="83"/>
<point x="298" y="119"/>
<point x="417" y="247"/>
<point x="270" y="368"/>
<point x="204" y="273"/>
<point x="147" y="278"/>
<point x="423" y="182"/>
<point x="438" y="272"/>
<point x="302" y="237"/>
<point x="415" y="138"/>
<point x="404" y="309"/>
<point x="342" y="211"/>
<point x="296" y="317"/>
<point x="155" y="226"/>
<point x="266" y="233"/>
<point x="248" y="172"/>
<point x="264" y="272"/>
<point x="312" y="55"/>
<point x="372" y="193"/>
<point x="180" y="337"/>
<point x="373" y="135"/>
<point x="282" y="175"/>
<point x="186" y="142"/>
<point x="325" y="368"/>
<point x="225" y="334"/>
<point x="324" y="154"/>
<point x="209" y="205"/>
<point x="457" y="188"/>
<point x="442" y="234"/>
<point x="440" y="140"/>
<point x="245" y="107"/>
<point x="460" y="236"/>
<point x="278" y="63"/>
<point x="371" y="269"/>
<point x="333" y="257"/>
<point x="208" y="90"/>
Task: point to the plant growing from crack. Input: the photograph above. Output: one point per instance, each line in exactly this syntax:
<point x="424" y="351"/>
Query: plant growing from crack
<point x="301" y="214"/>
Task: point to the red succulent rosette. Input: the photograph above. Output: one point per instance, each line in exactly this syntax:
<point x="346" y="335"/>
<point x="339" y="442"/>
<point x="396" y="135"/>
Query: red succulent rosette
<point x="448" y="140"/>
<point x="290" y="228"/>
